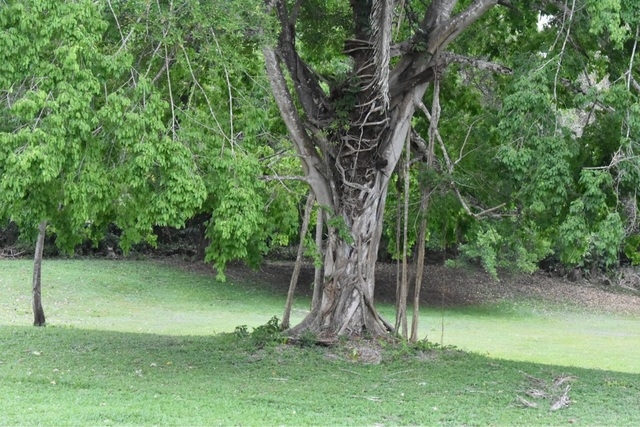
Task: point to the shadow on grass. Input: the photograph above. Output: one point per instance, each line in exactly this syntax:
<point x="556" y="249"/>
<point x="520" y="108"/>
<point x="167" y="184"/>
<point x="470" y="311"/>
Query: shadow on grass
<point x="65" y="376"/>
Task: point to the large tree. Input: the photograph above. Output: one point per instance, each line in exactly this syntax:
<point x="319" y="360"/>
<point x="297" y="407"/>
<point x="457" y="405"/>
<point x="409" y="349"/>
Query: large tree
<point x="348" y="79"/>
<point x="351" y="134"/>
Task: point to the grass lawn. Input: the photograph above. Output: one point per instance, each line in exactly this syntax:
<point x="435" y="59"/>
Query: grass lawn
<point x="137" y="343"/>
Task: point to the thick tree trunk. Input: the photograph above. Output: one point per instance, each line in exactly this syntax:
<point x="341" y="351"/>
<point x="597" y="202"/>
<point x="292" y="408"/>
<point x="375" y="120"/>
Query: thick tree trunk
<point x="38" y="311"/>
<point x="346" y="306"/>
<point x="349" y="141"/>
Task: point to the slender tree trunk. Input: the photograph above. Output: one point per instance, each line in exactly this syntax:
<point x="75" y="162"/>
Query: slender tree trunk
<point x="422" y="235"/>
<point x="424" y="207"/>
<point x="399" y="217"/>
<point x="317" y="276"/>
<point x="38" y="311"/>
<point x="296" y="269"/>
<point x="401" y="315"/>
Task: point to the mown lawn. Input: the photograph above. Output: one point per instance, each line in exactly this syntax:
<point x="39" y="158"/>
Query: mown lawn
<point x="137" y="343"/>
<point x="66" y="376"/>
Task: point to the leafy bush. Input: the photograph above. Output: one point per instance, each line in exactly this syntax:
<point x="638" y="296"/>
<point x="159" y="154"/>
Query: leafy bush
<point x="269" y="333"/>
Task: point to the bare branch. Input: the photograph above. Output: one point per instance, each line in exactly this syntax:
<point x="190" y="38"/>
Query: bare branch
<point x="560" y="57"/>
<point x="173" y="105"/>
<point x="633" y="55"/>
<point x="635" y="84"/>
<point x="122" y="37"/>
<point x="311" y="162"/>
<point x="480" y="64"/>
<point x="455" y="26"/>
<point x="450" y="168"/>
<point x="306" y="81"/>
<point x="437" y="30"/>
<point x="464" y="143"/>
<point x="226" y="75"/>
<point x="268" y="178"/>
<point x="204" y="94"/>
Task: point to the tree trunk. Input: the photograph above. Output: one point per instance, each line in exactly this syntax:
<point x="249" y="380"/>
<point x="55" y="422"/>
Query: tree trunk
<point x="38" y="311"/>
<point x="349" y="141"/>
<point x="317" y="274"/>
<point x="296" y="269"/>
<point x="346" y="306"/>
<point x="422" y="235"/>
<point x="401" y="310"/>
<point x="424" y="207"/>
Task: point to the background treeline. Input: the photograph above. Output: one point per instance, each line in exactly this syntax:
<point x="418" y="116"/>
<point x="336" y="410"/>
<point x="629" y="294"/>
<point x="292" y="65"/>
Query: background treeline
<point x="153" y="122"/>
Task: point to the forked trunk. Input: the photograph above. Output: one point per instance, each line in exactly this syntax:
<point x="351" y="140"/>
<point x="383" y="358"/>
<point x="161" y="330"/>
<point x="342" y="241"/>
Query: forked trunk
<point x="38" y="311"/>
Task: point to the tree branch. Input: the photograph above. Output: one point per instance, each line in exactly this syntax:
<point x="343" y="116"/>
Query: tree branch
<point x="450" y="168"/>
<point x="311" y="162"/>
<point x="441" y="37"/>
<point x="268" y="178"/>
<point x="312" y="98"/>
<point x="635" y="84"/>
<point x="480" y="64"/>
<point x="437" y="32"/>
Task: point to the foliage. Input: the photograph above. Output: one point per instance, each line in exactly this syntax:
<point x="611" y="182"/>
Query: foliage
<point x="83" y="137"/>
<point x="269" y="333"/>
<point x="165" y="116"/>
<point x="135" y="114"/>
<point x="555" y="143"/>
<point x="216" y="84"/>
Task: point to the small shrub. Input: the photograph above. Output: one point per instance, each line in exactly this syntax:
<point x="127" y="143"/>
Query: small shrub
<point x="268" y="334"/>
<point x="241" y="332"/>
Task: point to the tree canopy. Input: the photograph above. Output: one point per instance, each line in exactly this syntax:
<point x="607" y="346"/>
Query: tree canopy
<point x="84" y="136"/>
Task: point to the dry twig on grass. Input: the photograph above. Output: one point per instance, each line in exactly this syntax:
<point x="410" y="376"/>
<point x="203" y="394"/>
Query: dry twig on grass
<point x="563" y="400"/>
<point x="526" y="403"/>
<point x="541" y="389"/>
<point x="10" y="253"/>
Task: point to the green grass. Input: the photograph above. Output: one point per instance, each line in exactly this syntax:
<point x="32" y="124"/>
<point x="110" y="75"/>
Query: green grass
<point x="64" y="376"/>
<point x="134" y="296"/>
<point x="134" y="343"/>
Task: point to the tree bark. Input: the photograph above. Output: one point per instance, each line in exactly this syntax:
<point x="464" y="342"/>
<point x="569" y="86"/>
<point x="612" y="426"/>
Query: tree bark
<point x="38" y="311"/>
<point x="401" y="312"/>
<point x="296" y="269"/>
<point x="346" y="305"/>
